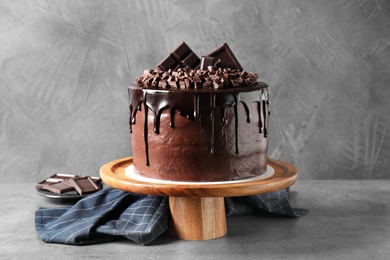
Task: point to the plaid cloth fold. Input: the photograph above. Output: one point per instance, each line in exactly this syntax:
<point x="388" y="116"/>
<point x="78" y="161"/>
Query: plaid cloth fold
<point x="104" y="216"/>
<point x="112" y="214"/>
<point x="273" y="202"/>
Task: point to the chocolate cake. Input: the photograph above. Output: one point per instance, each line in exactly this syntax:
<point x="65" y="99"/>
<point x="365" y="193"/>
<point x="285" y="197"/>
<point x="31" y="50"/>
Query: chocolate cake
<point x="199" y="119"/>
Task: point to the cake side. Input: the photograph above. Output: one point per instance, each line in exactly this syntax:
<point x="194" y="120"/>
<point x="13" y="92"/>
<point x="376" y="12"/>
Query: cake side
<point x="208" y="135"/>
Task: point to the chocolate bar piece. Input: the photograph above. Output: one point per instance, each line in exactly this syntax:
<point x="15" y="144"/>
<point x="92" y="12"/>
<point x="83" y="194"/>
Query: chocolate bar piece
<point x="206" y="61"/>
<point x="58" y="177"/>
<point x="60" y="183"/>
<point x="95" y="179"/>
<point x="226" y="57"/>
<point x="181" y="57"/>
<point x="58" y="187"/>
<point x="84" y="185"/>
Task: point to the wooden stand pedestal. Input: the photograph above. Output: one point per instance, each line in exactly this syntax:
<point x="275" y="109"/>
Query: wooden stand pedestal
<point x="197" y="210"/>
<point x="197" y="218"/>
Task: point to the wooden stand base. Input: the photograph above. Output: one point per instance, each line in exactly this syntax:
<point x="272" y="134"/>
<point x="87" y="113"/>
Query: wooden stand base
<point x="197" y="210"/>
<point x="197" y="218"/>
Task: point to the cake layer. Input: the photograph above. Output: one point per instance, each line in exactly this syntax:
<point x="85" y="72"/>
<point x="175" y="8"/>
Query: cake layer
<point x="199" y="134"/>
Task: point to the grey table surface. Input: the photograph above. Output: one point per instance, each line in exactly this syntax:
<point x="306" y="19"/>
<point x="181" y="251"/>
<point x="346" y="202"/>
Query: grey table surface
<point x="348" y="219"/>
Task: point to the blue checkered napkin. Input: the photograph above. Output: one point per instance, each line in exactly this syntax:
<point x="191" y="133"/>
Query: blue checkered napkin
<point x="104" y="216"/>
<point x="273" y="202"/>
<point x="112" y="214"/>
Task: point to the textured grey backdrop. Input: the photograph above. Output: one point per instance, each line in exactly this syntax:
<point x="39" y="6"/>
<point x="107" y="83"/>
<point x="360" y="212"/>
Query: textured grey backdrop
<point x="65" y="67"/>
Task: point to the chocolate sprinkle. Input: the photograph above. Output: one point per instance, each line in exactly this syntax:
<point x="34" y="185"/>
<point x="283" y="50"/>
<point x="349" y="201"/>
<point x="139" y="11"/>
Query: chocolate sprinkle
<point x="187" y="78"/>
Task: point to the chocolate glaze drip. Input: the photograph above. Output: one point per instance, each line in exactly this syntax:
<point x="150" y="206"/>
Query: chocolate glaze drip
<point x="136" y="98"/>
<point x="195" y="103"/>
<point x="146" y="129"/>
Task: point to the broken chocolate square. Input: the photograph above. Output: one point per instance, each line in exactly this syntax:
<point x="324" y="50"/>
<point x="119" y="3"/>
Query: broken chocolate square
<point x="58" y="187"/>
<point x="84" y="185"/>
<point x="206" y="61"/>
<point x="61" y="183"/>
<point x="58" y="177"/>
<point x="181" y="57"/>
<point x="226" y="57"/>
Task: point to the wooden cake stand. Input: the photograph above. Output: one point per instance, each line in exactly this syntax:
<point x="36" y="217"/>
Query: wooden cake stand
<point x="197" y="210"/>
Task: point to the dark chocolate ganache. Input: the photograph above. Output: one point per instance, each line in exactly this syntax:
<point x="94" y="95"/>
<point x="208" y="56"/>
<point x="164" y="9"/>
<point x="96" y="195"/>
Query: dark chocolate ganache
<point x="193" y="94"/>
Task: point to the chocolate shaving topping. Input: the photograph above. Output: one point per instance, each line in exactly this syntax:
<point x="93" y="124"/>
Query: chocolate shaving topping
<point x="188" y="78"/>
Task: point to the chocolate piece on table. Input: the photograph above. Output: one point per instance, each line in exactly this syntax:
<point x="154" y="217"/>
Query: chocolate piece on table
<point x="181" y="57"/>
<point x="84" y="185"/>
<point x="58" y="187"/>
<point x="63" y="176"/>
<point x="95" y="179"/>
<point x="58" y="177"/>
<point x="225" y="54"/>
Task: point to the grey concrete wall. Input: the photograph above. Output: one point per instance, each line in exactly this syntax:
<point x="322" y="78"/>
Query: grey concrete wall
<point x="65" y="67"/>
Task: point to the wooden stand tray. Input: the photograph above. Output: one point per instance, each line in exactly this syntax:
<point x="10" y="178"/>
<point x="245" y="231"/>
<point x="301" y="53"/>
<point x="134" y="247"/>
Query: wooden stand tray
<point x="197" y="210"/>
